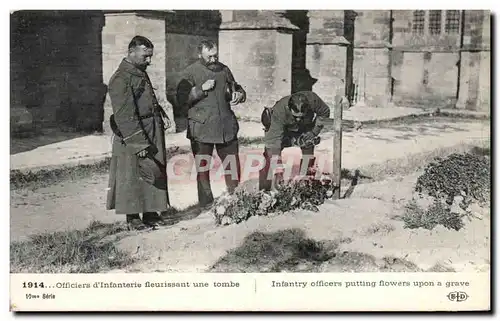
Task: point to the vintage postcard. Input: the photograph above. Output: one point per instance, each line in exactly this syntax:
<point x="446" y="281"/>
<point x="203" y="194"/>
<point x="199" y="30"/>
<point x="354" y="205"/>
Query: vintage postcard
<point x="250" y="160"/>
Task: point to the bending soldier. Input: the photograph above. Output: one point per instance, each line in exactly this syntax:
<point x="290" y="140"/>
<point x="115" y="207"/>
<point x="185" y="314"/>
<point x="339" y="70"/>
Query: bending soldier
<point x="295" y="120"/>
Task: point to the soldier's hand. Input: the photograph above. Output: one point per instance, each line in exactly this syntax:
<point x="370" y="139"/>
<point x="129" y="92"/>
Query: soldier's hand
<point x="236" y="99"/>
<point x="142" y="153"/>
<point x="309" y="136"/>
<point x="207" y="85"/>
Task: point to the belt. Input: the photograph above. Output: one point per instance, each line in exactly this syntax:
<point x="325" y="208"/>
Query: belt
<point x="161" y="114"/>
<point x="146" y="116"/>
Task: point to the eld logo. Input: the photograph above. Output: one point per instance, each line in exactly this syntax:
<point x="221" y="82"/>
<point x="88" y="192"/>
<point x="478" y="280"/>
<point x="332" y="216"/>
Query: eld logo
<point x="457" y="296"/>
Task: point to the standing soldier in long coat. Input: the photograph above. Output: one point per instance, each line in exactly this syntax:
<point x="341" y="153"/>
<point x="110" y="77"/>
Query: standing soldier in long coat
<point x="208" y="89"/>
<point x="137" y="180"/>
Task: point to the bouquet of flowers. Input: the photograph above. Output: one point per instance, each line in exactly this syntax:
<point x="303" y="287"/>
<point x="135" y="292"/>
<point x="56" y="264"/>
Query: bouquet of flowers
<point x="307" y="193"/>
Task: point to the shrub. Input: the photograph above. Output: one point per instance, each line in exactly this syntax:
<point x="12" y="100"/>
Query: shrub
<point x="437" y="214"/>
<point x="453" y="184"/>
<point x="306" y="193"/>
<point x="465" y="175"/>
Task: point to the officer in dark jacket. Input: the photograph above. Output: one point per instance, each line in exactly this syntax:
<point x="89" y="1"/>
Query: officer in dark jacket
<point x="295" y="120"/>
<point x="208" y="89"/>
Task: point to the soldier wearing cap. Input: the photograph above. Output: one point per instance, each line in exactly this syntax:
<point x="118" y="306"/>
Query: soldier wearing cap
<point x="295" y="120"/>
<point x="137" y="180"/>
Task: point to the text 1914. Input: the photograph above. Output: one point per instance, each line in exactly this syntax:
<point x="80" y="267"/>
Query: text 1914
<point x="33" y="285"/>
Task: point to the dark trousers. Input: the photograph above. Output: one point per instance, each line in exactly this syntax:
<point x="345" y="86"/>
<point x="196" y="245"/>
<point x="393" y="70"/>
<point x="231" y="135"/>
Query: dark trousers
<point x="205" y="150"/>
<point x="265" y="182"/>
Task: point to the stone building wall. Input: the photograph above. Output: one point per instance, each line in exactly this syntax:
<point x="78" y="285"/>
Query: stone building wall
<point x="56" y="70"/>
<point x="425" y="65"/>
<point x="61" y="61"/>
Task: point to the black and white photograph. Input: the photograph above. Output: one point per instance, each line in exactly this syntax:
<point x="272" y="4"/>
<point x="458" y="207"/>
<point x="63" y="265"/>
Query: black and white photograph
<point x="250" y="141"/>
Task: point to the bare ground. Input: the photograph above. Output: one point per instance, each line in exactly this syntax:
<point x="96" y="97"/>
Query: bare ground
<point x="360" y="234"/>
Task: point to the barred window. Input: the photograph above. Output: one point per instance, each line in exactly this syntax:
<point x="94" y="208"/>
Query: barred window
<point x="418" y="22"/>
<point x="425" y="79"/>
<point x="452" y="21"/>
<point x="435" y="22"/>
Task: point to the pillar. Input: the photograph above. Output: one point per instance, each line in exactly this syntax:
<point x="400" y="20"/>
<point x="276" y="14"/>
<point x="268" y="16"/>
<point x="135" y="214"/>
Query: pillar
<point x="372" y="64"/>
<point x="475" y="64"/>
<point x="327" y="46"/>
<point x="257" y="45"/>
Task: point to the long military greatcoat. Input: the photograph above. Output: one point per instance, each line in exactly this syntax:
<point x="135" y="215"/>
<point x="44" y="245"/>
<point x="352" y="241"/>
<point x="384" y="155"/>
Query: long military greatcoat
<point x="210" y="117"/>
<point x="138" y="118"/>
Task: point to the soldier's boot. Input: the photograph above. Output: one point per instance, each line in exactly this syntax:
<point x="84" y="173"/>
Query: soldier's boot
<point x="204" y="187"/>
<point x="134" y="222"/>
<point x="165" y="218"/>
<point x="170" y="216"/>
<point x="151" y="219"/>
<point x="232" y="183"/>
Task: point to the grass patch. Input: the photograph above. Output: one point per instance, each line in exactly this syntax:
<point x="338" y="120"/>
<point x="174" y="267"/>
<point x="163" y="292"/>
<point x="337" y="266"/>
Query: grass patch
<point x="437" y="214"/>
<point x="439" y="267"/>
<point x="347" y="261"/>
<point x="46" y="177"/>
<point x="380" y="228"/>
<point x="286" y="250"/>
<point x="350" y="125"/>
<point x="395" y="264"/>
<point x="291" y="251"/>
<point x="91" y="250"/>
<point x="459" y="114"/>
<point x="245" y="141"/>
